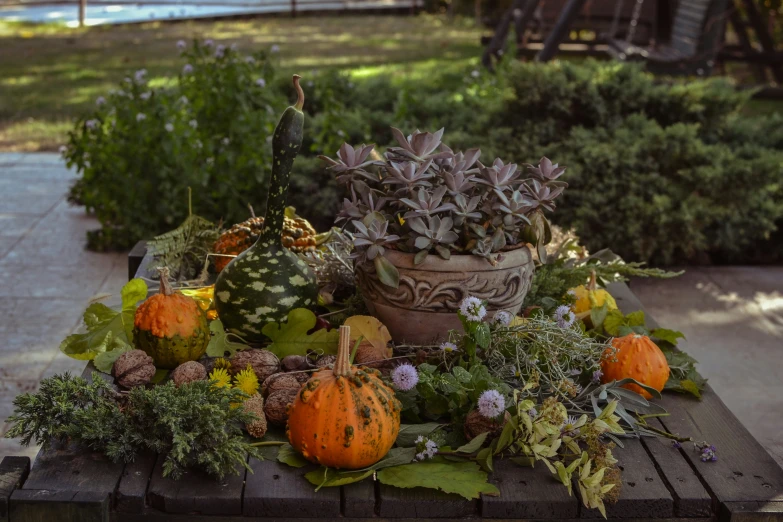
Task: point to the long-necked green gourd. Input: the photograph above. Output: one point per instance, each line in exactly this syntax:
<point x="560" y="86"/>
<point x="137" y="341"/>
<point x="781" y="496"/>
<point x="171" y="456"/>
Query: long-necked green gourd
<point x="266" y="281"/>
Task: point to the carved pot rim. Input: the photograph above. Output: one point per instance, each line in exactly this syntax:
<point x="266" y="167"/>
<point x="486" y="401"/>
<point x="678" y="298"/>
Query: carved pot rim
<point x="461" y="262"/>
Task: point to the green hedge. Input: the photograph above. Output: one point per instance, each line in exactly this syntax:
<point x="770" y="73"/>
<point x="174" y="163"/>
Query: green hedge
<point x="658" y="172"/>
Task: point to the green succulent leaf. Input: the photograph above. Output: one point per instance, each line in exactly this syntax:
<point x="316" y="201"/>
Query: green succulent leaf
<point x="387" y="272"/>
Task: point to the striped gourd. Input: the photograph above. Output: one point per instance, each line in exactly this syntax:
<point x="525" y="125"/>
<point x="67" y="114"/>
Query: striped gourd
<point x="266" y="281"/>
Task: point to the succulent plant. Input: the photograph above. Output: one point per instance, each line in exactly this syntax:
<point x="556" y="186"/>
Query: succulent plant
<point x="422" y="197"/>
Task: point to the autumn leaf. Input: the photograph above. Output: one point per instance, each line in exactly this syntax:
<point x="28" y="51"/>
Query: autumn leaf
<point x="291" y="338"/>
<point x="375" y="337"/>
<point x="220" y="343"/>
<point x="104" y="361"/>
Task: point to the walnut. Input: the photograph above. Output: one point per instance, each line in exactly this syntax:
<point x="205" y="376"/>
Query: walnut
<point x="280" y="381"/>
<point x="325" y="361"/>
<point x="263" y="362"/>
<point x="476" y="424"/>
<point x="255" y="405"/>
<point x="188" y="372"/>
<point x="301" y="377"/>
<point x="276" y="406"/>
<point x="133" y="368"/>
<point x="293" y="363"/>
<point x="367" y="354"/>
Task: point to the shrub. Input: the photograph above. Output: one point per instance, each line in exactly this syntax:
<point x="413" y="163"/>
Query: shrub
<point x="142" y="147"/>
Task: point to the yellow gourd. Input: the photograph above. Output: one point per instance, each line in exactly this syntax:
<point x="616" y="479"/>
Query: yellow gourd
<point x="590" y="296"/>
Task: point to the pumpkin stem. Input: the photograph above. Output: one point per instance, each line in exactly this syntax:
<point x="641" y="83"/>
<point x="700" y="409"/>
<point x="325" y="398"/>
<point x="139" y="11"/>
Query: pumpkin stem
<point x="165" y="287"/>
<point x="299" y="93"/>
<point x="592" y="284"/>
<point x="342" y="366"/>
<point x="252" y="212"/>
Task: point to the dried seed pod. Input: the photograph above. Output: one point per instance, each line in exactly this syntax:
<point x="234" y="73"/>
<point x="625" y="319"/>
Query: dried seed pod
<point x="255" y="405"/>
<point x="476" y="424"/>
<point x="188" y="372"/>
<point x="263" y="362"/>
<point x="133" y="368"/>
<point x="276" y="406"/>
<point x="280" y="381"/>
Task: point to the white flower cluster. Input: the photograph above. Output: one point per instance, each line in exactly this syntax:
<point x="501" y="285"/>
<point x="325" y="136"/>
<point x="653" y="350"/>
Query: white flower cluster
<point x="427" y="448"/>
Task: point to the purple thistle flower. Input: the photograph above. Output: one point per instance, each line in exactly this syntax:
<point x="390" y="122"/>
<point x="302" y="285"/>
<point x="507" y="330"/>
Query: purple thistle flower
<point x="502" y="318"/>
<point x="472" y="309"/>
<point x="141" y="116"/>
<point x="169" y="127"/>
<point x="187" y="69"/>
<point x="209" y="42"/>
<point x="491" y="404"/>
<point x="140" y="74"/>
<point x="181" y="45"/>
<point x="91" y="124"/>
<point x="275" y="49"/>
<point x="100" y="101"/>
<point x="676" y="444"/>
<point x="261" y="82"/>
<point x="596" y="378"/>
<point x="405" y="377"/>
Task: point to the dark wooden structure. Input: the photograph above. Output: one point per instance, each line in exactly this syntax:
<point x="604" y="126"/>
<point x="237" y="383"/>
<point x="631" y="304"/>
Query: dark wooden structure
<point x="686" y="37"/>
<point x="660" y="482"/>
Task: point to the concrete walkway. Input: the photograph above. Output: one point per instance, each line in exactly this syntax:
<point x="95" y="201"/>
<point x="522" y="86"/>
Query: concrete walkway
<point x="732" y="316"/>
<point x="46" y="276"/>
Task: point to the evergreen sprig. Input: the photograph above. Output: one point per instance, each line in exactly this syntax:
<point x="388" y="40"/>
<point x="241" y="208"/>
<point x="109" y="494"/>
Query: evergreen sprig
<point x="194" y="425"/>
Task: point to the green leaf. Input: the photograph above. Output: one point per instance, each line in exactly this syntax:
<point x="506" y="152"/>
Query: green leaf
<point x="160" y="374"/>
<point x="506" y="437"/>
<point x="670" y="336"/>
<point x="635" y="318"/>
<point x="462" y="374"/>
<point x="483" y="335"/>
<point x="324" y="477"/>
<point x="474" y="445"/>
<point x="484" y="459"/>
<point x="614" y="319"/>
<point x="105" y="361"/>
<point x="286" y="454"/>
<point x="387" y="272"/>
<point x="219" y="344"/>
<point x="598" y="315"/>
<point x="107" y="329"/>
<point x="291" y="338"/>
<point x="463" y="478"/>
<point x="691" y="387"/>
<point x="624" y="330"/>
<point x="409" y="432"/>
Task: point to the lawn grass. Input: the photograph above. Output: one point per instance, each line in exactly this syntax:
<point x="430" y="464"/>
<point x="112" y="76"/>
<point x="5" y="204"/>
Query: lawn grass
<point x="50" y="73"/>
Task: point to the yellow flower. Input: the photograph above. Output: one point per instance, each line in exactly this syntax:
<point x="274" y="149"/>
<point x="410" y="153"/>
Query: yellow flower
<point x="221" y="378"/>
<point x="246" y="381"/>
<point x="220" y="362"/>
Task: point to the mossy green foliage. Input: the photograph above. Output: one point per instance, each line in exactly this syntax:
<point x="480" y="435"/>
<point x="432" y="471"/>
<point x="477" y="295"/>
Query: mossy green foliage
<point x="190" y="426"/>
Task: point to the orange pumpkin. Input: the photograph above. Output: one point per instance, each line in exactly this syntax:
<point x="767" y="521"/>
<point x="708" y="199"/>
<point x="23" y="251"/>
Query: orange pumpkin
<point x="170" y="327"/>
<point x="344" y="417"/>
<point x="637" y="357"/>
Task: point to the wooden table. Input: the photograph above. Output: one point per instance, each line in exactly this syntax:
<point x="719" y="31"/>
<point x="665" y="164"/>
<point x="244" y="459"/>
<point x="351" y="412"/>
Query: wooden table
<point x="660" y="482"/>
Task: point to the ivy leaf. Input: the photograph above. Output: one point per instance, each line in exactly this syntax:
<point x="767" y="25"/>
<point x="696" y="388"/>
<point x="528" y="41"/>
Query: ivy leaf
<point x="691" y="387"/>
<point x="669" y="336"/>
<point x="288" y="455"/>
<point x="483" y="335"/>
<point x="219" y="343"/>
<point x="290" y="338"/>
<point x="474" y="445"/>
<point x="373" y="332"/>
<point x="635" y="318"/>
<point x="598" y="315"/>
<point x="463" y="478"/>
<point x="409" y="432"/>
<point x="106" y="329"/>
<point x="105" y="361"/>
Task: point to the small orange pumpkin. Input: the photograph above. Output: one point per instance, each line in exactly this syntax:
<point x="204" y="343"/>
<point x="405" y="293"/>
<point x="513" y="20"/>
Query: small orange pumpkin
<point x="344" y="418"/>
<point x="637" y="357"/>
<point x="170" y="327"/>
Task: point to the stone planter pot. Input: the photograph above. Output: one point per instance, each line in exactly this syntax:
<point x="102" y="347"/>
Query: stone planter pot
<point x="424" y="307"/>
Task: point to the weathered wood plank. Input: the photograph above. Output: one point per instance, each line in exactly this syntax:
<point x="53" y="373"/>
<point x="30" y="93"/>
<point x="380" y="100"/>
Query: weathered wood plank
<point x="13" y="473"/>
<point x="528" y="493"/>
<point x="61" y="506"/>
<point x="195" y="492"/>
<point x="751" y="512"/>
<point x="73" y="468"/>
<point x="643" y="493"/>
<point x="278" y="490"/>
<point x="132" y="491"/>
<point x="135" y="256"/>
<point x="690" y="497"/>
<point x="423" y="503"/>
<point x="744" y="470"/>
<point x="359" y="499"/>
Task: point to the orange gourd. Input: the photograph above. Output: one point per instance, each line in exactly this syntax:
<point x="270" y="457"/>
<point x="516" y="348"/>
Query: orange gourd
<point x="344" y="418"/>
<point x="637" y="357"/>
<point x="170" y="327"/>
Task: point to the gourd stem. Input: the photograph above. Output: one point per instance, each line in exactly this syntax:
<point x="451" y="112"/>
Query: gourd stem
<point x="299" y="93"/>
<point x="342" y="366"/>
<point x="165" y="287"/>
<point x="592" y="284"/>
